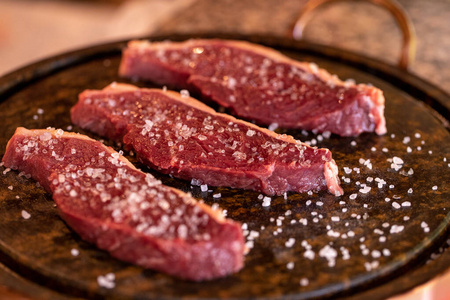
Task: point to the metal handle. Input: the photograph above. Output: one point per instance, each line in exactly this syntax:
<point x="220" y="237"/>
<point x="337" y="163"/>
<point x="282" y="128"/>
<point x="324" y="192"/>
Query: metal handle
<point x="408" y="49"/>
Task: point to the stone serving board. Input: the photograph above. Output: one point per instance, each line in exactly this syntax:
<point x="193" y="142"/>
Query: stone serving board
<point x="304" y="246"/>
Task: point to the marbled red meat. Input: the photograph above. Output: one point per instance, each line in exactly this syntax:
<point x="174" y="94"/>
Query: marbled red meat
<point x="124" y="211"/>
<point x="181" y="136"/>
<point x="260" y="84"/>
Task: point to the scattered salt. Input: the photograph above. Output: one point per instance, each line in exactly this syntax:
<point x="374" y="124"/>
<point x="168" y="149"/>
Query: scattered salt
<point x="184" y="93"/>
<point x="273" y="126"/>
<point x="397" y="228"/>
<point x="106" y="281"/>
<point x="376" y="254"/>
<point x="289" y="243"/>
<point x="396" y="205"/>
<point x="304" y="281"/>
<point x="266" y="201"/>
<point x="25" y="215"/>
<point x="347" y="170"/>
<point x="365" y="189"/>
<point x="250" y="132"/>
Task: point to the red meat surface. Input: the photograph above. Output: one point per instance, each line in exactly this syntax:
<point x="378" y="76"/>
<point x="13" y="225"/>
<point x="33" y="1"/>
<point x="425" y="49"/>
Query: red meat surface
<point x="259" y="84"/>
<point x="124" y="211"/>
<point x="181" y="136"/>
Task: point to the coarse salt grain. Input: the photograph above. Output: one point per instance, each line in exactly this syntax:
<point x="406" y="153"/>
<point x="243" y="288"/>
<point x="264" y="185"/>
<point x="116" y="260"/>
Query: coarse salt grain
<point x="106" y="281"/>
<point x="266" y="201"/>
<point x="74" y="252"/>
<point x="397" y="228"/>
<point x="289" y="243"/>
<point x="273" y="126"/>
<point x="371" y="265"/>
<point x="184" y="93"/>
<point x="250" y="132"/>
<point x="396" y="205"/>
<point x="397" y="160"/>
<point x="378" y="231"/>
<point x="406" y="204"/>
<point x="434" y="188"/>
<point x="329" y="254"/>
<point x="25" y="215"/>
<point x="376" y="254"/>
<point x="304" y="281"/>
<point x="365" y="189"/>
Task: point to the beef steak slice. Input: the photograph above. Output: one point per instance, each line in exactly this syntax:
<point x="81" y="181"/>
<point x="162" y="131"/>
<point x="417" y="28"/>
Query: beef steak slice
<point x="181" y="136"/>
<point x="124" y="211"/>
<point x="259" y="84"/>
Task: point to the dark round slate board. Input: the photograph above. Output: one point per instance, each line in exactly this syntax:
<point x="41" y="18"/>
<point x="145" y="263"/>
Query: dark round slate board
<point x="359" y="245"/>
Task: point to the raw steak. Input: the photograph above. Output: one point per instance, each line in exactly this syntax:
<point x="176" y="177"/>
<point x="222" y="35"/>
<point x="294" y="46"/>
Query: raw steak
<point x="260" y="84"/>
<point x="181" y="136"/>
<point x="124" y="211"/>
